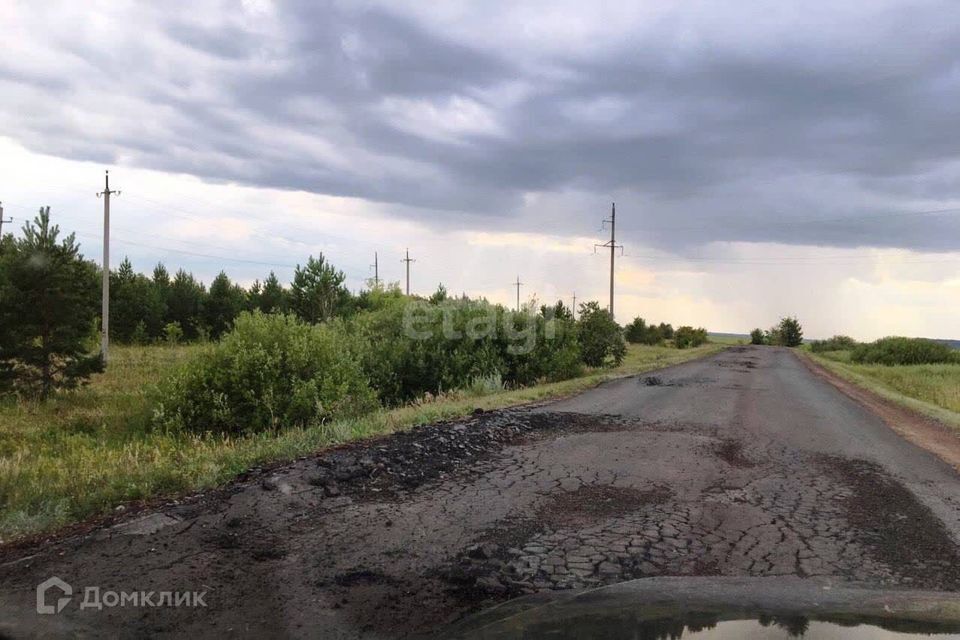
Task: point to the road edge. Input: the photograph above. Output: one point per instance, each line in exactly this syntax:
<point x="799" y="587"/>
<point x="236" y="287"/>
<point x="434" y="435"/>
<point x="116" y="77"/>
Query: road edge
<point x="132" y="509"/>
<point x="919" y="429"/>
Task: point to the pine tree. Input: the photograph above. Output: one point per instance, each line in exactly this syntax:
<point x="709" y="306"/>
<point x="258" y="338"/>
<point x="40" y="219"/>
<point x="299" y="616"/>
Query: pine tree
<point x="48" y="311"/>
<point x="185" y="304"/>
<point x="224" y="303"/>
<point x="137" y="307"/>
<point x="790" y="332"/>
<point x="318" y="293"/>
<point x="274" y="298"/>
<point x="636" y="331"/>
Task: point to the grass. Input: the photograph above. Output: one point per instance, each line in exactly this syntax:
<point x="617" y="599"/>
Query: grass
<point x="83" y="452"/>
<point x="728" y="339"/>
<point x="932" y="389"/>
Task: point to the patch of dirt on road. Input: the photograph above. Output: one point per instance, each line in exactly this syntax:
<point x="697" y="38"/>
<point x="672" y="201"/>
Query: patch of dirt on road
<point x="738" y="364"/>
<point x="731" y="452"/>
<point x="406" y="460"/>
<point x="593" y="502"/>
<point x="895" y="526"/>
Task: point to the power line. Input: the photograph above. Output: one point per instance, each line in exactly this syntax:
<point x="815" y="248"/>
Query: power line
<point x="806" y="221"/>
<point x="799" y="261"/>
<point x="194" y="253"/>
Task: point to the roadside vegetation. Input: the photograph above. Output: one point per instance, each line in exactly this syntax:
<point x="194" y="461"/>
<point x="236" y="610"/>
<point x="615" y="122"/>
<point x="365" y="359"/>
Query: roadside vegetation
<point x="91" y="449"/>
<point x="787" y="333"/>
<point x="639" y="332"/>
<point x="206" y="384"/>
<point x="921" y="374"/>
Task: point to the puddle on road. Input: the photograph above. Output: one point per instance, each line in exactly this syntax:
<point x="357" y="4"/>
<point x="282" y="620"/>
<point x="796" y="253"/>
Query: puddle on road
<point x="800" y="628"/>
<point x="710" y="626"/>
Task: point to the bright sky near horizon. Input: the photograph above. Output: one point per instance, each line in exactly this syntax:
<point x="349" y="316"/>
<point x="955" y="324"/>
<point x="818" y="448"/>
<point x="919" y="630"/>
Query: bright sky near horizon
<point x="803" y="161"/>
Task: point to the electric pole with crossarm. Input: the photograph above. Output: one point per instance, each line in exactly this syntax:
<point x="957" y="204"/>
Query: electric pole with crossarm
<point x="105" y="301"/>
<point x="408" y="260"/>
<point x="517" y="285"/>
<point x="2" y="220"/>
<point x="613" y="247"/>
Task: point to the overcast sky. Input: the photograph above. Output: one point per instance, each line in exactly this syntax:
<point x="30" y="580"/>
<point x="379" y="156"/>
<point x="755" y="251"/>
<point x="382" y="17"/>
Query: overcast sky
<point x="800" y="159"/>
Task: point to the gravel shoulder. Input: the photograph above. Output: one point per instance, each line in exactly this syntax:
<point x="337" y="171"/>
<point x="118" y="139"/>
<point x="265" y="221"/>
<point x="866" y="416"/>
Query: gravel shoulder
<point x="740" y="464"/>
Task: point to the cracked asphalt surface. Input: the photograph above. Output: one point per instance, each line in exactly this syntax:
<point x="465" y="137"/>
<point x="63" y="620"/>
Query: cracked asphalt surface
<point x="740" y="464"/>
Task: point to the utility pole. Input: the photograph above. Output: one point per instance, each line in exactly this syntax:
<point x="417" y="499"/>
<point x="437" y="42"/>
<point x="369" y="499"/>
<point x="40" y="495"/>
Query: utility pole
<point x="105" y="301"/>
<point x="574" y="305"/>
<point x="376" y="272"/>
<point x="408" y="260"/>
<point x="517" y="285"/>
<point x="2" y="220"/>
<point x="613" y="247"/>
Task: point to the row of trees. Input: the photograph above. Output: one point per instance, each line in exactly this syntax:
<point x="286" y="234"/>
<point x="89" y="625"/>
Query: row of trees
<point x="51" y="303"/>
<point x="143" y="309"/>
<point x="639" y="332"/>
<point x="787" y="333"/>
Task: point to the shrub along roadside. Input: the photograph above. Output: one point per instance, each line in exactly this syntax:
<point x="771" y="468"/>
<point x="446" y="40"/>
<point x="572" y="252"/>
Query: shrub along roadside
<point x="269" y="371"/>
<point x="274" y="371"/>
<point x="836" y="343"/>
<point x="685" y="337"/>
<point x="600" y="337"/>
<point x="897" y="351"/>
<point x="76" y="457"/>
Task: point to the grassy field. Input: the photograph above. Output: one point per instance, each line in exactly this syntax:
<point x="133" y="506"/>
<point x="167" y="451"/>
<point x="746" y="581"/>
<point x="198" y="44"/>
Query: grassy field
<point x="84" y="452"/>
<point x="729" y="338"/>
<point x="932" y="389"/>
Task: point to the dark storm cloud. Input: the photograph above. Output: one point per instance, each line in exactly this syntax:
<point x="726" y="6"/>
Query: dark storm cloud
<point x="705" y="126"/>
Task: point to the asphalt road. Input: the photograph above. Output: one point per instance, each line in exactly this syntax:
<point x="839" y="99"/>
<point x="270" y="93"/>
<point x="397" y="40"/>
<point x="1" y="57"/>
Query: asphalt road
<point x="741" y="464"/>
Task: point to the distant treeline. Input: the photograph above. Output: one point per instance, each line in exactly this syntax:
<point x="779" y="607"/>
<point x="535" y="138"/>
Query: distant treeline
<point x="890" y="351"/>
<point x="639" y="332"/>
<point x="179" y="307"/>
<point x="311" y="336"/>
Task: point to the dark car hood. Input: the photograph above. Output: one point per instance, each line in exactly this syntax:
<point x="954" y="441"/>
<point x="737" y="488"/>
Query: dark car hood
<point x="718" y="607"/>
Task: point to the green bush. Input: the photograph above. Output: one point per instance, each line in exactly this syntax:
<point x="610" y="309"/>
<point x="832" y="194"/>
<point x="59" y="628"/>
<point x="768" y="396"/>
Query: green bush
<point x="552" y="354"/>
<point x="600" y="337"/>
<point x="896" y="350"/>
<point x="685" y="337"/>
<point x="836" y="343"/>
<point x="411" y="347"/>
<point x="414" y="347"/>
<point x="636" y="331"/>
<point x="269" y="371"/>
<point x="757" y="337"/>
<point x="172" y="333"/>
